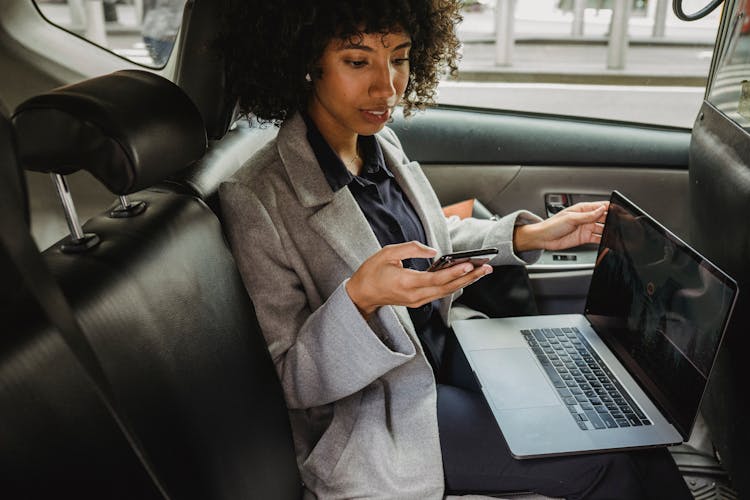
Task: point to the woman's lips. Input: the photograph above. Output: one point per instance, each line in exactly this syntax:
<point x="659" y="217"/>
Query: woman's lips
<point x="376" y="116"/>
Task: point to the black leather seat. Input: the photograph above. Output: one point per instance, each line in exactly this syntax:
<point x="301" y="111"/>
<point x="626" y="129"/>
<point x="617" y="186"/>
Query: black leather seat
<point x="162" y="304"/>
<point x="720" y="203"/>
<point x="56" y="433"/>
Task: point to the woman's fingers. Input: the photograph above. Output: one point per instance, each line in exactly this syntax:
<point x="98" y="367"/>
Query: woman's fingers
<point x="408" y="250"/>
<point x="381" y="279"/>
<point x="445" y="282"/>
<point x="585" y="217"/>
<point x="587" y="206"/>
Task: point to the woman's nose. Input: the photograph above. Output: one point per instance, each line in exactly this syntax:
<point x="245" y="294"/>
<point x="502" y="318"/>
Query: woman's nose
<point x="384" y="82"/>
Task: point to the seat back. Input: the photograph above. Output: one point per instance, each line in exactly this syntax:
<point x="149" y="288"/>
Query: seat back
<point x="720" y="203"/>
<point x="56" y="433"/>
<point x="164" y="308"/>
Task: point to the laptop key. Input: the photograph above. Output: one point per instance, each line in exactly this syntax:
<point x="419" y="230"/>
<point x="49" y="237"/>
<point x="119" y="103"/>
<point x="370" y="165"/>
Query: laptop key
<point x="586" y="406"/>
<point x="633" y="420"/>
<point x="594" y="419"/>
<point x="622" y="422"/>
<point x="582" y="425"/>
<point x="565" y="393"/>
<point x="570" y="401"/>
<point x="608" y="421"/>
<point x="601" y="409"/>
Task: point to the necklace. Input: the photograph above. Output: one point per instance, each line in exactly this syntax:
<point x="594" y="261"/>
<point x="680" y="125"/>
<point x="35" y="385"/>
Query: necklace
<point x="353" y="160"/>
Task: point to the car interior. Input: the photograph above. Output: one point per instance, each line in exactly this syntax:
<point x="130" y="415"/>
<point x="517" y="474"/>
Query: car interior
<point x="132" y="365"/>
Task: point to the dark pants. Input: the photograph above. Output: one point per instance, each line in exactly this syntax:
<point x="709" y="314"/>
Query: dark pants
<point x="476" y="458"/>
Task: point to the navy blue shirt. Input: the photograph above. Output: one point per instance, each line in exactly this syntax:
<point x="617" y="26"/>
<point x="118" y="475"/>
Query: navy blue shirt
<point x="390" y="214"/>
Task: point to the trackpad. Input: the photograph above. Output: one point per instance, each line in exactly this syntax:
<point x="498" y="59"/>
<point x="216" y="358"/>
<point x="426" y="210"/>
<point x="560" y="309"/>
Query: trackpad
<point x="511" y="379"/>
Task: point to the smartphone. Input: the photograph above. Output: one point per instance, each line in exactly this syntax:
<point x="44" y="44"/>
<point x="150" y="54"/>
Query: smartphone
<point x="476" y="257"/>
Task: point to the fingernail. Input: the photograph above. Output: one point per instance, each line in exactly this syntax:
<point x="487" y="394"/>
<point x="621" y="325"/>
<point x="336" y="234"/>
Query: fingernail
<point x="488" y="270"/>
<point x="468" y="268"/>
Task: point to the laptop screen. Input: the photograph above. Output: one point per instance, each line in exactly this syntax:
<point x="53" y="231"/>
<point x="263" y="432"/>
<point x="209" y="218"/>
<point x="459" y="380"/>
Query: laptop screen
<point x="660" y="307"/>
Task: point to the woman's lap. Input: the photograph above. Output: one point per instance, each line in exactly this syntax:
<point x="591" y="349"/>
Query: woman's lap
<point x="476" y="459"/>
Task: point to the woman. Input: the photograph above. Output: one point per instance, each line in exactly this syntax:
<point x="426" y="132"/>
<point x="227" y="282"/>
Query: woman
<point x="332" y="228"/>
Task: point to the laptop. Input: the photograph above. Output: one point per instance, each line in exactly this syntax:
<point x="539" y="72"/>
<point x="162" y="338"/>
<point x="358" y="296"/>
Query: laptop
<point x="630" y="372"/>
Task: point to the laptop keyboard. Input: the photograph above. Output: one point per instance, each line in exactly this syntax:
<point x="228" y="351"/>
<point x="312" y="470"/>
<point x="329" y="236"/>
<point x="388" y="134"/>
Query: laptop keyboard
<point x="594" y="397"/>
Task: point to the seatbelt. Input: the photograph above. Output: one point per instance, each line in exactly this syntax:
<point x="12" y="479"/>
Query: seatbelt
<point x="24" y="254"/>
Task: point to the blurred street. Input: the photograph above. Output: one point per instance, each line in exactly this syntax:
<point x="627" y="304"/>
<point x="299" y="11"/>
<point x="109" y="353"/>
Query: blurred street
<point x="543" y="48"/>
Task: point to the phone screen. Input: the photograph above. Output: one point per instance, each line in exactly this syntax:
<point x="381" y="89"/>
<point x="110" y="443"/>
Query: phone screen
<point x="476" y="257"/>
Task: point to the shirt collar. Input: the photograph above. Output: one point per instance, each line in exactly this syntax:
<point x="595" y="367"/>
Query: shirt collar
<point x="336" y="173"/>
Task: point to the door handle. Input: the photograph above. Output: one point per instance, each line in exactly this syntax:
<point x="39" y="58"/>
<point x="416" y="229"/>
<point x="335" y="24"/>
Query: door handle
<point x="554" y="202"/>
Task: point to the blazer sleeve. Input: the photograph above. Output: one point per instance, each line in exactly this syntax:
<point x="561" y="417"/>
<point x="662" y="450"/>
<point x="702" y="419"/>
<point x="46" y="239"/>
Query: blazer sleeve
<point x="321" y="356"/>
<point x="470" y="233"/>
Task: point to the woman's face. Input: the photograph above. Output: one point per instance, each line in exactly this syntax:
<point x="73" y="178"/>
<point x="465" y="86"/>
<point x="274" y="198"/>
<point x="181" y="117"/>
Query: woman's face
<point x="360" y="81"/>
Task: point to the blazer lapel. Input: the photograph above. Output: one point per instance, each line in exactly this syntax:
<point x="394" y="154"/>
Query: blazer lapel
<point x="338" y="219"/>
<point x="422" y="197"/>
<point x="419" y="192"/>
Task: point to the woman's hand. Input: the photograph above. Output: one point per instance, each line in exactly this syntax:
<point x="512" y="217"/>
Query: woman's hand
<point x="573" y="226"/>
<point x="382" y="279"/>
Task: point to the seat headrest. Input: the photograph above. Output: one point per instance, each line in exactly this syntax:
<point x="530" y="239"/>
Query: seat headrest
<point x="129" y="129"/>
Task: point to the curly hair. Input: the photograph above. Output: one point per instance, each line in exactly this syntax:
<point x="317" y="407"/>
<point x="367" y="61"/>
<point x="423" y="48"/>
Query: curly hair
<point x="269" y="46"/>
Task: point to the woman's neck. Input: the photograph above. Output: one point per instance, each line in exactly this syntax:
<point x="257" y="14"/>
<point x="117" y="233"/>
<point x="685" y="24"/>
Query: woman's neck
<point x="342" y="141"/>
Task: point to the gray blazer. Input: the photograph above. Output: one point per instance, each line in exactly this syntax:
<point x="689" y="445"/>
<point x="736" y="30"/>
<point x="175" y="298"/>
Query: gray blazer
<point x="361" y="395"/>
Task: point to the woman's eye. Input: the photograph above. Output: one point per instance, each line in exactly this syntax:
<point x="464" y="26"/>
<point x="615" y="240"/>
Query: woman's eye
<point x="356" y="64"/>
<point x="400" y="61"/>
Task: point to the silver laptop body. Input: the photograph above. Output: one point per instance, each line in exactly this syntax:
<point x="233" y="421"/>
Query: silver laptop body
<point x="628" y="373"/>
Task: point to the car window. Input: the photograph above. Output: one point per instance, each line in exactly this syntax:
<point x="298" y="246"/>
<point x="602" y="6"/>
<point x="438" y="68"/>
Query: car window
<point x="143" y="31"/>
<point x="557" y="56"/>
<point x="730" y="88"/>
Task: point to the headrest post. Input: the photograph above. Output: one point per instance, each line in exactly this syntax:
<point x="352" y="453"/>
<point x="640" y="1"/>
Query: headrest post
<point x="77" y="241"/>
<point x="127" y="208"/>
<point x="71" y="216"/>
<point x="124" y="202"/>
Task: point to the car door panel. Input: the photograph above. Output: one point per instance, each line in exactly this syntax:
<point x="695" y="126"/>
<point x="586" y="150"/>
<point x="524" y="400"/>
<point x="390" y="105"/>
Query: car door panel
<point x="510" y="161"/>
